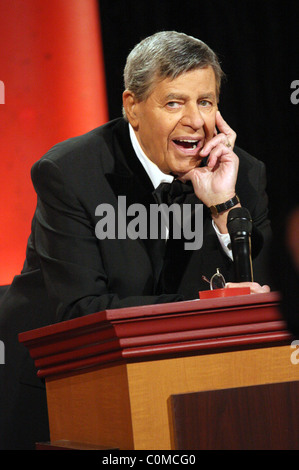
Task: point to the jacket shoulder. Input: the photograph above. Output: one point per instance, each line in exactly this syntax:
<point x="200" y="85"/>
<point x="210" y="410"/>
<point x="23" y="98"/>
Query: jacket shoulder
<point x="85" y="149"/>
<point x="246" y="159"/>
<point x="251" y="169"/>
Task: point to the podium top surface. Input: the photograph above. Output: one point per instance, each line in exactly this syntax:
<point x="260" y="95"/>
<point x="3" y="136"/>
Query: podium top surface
<point x="156" y="331"/>
<point x="156" y="311"/>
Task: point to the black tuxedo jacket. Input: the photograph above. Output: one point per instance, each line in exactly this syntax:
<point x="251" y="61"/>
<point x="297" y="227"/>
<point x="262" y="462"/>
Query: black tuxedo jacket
<point x="73" y="272"/>
<point x="69" y="272"/>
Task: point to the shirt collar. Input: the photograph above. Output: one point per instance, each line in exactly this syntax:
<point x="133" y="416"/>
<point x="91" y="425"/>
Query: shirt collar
<point x="155" y="174"/>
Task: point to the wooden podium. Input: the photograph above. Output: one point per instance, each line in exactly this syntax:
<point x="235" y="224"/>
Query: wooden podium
<point x="111" y="376"/>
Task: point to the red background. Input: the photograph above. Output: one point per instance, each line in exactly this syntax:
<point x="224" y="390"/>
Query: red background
<point x="51" y="64"/>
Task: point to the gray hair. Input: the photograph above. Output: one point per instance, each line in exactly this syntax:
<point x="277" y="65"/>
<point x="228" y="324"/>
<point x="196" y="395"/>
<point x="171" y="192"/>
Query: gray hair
<point x="166" y="54"/>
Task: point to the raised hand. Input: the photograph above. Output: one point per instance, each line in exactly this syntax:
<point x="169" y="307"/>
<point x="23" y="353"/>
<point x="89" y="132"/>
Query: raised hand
<point x="215" y="183"/>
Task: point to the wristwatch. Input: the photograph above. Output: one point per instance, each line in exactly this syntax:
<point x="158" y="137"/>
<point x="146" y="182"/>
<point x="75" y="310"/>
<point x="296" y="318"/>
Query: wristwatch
<point x="225" y="205"/>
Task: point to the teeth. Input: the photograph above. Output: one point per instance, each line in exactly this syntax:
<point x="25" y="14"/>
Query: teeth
<point x="189" y="141"/>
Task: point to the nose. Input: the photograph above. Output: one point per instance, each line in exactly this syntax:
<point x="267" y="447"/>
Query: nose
<point x="192" y="117"/>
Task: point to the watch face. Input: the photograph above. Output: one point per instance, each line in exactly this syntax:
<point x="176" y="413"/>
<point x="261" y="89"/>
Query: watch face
<point x="213" y="209"/>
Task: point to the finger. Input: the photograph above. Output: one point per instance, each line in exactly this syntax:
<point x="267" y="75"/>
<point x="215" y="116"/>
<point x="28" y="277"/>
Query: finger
<point x="220" y="152"/>
<point x="186" y="176"/>
<point x="255" y="287"/>
<point x="266" y="288"/>
<point x="222" y="125"/>
<point x="217" y="140"/>
<point x="225" y="128"/>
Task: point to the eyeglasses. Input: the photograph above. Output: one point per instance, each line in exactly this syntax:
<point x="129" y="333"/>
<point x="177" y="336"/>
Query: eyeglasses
<point x="217" y="281"/>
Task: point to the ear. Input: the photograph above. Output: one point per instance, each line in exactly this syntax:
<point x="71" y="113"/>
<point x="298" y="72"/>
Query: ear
<point x="129" y="104"/>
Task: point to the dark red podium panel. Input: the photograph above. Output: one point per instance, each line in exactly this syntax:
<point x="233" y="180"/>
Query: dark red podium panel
<point x="261" y="417"/>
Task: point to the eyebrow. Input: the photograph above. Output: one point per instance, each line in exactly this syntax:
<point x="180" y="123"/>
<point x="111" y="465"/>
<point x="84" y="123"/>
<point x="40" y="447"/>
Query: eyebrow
<point x="175" y="96"/>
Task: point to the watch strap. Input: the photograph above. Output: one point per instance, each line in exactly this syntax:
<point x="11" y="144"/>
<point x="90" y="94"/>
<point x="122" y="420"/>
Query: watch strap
<point x="217" y="208"/>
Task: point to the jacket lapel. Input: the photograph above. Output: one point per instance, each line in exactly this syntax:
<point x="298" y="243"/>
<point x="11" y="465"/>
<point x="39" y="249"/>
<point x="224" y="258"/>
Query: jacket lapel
<point x="128" y="177"/>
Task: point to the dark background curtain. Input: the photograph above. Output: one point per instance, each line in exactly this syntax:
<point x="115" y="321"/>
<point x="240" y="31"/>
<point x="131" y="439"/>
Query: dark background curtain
<point x="257" y="43"/>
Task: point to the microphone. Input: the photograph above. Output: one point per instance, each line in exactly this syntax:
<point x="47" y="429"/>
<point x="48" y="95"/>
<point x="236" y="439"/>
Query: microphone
<point x="239" y="225"/>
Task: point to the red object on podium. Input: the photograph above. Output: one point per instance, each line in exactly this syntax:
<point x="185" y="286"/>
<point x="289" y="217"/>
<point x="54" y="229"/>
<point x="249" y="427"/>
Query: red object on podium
<point x="225" y="292"/>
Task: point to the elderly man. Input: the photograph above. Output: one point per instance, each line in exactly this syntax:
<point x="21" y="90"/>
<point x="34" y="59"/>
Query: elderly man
<point x="171" y="131"/>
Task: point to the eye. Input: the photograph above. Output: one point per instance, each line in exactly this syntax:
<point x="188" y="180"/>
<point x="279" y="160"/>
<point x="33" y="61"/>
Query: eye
<point x="173" y="104"/>
<point x="205" y="103"/>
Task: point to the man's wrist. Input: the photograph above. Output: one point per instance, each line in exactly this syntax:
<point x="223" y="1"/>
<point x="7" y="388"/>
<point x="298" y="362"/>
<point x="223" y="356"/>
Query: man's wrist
<point x="220" y="219"/>
<point x="224" y="206"/>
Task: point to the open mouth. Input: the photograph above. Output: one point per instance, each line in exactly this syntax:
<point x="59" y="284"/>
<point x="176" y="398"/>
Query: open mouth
<point x="187" y="144"/>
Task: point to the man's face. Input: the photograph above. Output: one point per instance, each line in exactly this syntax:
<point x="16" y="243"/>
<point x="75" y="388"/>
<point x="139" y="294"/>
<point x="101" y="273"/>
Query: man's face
<point x="177" y="119"/>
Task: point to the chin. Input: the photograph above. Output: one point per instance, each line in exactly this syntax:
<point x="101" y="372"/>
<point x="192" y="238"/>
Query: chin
<point x="185" y="169"/>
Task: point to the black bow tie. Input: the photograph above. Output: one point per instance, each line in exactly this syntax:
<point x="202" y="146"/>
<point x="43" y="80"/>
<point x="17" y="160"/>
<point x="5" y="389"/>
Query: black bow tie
<point x="172" y="193"/>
